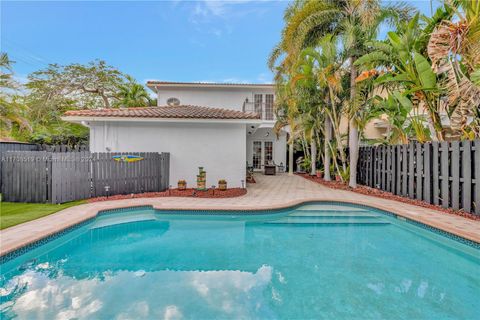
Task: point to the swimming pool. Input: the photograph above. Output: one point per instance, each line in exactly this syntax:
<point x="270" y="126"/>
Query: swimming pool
<point x="317" y="260"/>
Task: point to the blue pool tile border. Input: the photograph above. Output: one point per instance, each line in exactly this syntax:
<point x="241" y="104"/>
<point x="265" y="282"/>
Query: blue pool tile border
<point x="224" y="212"/>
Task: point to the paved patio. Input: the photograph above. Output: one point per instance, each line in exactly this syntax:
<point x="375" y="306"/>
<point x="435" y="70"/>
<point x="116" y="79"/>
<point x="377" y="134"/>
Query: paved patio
<point x="269" y="192"/>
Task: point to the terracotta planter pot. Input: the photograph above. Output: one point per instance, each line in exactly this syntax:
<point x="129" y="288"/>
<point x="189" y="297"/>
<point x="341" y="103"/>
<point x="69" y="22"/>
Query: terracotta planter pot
<point x="222" y="186"/>
<point x="319" y="174"/>
<point x="182" y="186"/>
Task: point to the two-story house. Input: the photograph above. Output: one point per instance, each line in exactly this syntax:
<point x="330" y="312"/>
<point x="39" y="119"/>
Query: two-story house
<point x="221" y="127"/>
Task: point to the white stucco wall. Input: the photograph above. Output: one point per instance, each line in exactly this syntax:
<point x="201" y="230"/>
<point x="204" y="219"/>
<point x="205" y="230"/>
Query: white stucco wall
<point x="219" y="148"/>
<point x="279" y="144"/>
<point x="224" y="97"/>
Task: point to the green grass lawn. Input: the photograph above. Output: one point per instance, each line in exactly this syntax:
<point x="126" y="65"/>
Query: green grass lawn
<point x="12" y="213"/>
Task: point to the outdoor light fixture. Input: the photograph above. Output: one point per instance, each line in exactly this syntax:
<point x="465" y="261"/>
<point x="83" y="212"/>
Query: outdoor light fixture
<point x="169" y="190"/>
<point x="213" y="189"/>
<point x="107" y="189"/>
<point x="243" y="184"/>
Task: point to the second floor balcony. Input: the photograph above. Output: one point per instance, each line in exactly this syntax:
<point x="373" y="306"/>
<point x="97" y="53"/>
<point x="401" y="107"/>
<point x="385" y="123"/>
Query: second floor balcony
<point x="264" y="109"/>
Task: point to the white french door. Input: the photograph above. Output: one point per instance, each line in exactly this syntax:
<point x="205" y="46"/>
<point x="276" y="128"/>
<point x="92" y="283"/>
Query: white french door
<point x="257" y="155"/>
<point x="262" y="154"/>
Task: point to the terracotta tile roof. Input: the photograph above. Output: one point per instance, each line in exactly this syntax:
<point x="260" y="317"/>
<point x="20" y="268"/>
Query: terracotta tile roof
<point x="155" y="82"/>
<point x="167" y="112"/>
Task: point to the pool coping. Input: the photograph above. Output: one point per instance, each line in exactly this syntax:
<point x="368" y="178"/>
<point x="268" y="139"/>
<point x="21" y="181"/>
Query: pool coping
<point x="21" y="248"/>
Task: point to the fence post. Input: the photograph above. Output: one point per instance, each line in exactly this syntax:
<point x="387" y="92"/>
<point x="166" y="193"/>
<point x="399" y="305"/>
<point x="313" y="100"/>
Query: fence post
<point x="411" y="170"/>
<point x="467" y="176"/>
<point x="435" y="173"/>
<point x="427" y="173"/>
<point x="455" y="165"/>
<point x="444" y="169"/>
<point x="477" y="177"/>
<point x="419" y="169"/>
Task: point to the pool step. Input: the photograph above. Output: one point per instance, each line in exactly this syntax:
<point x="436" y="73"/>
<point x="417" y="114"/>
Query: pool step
<point x="330" y="207"/>
<point x="332" y="220"/>
<point x="331" y="213"/>
<point x="123" y="217"/>
<point x="334" y="216"/>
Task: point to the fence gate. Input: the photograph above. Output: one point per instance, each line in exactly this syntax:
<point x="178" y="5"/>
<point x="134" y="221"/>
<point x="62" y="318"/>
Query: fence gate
<point x="121" y="177"/>
<point x="70" y="177"/>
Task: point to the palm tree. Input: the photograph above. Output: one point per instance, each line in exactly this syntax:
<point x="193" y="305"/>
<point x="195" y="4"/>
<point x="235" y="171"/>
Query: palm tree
<point x="408" y="75"/>
<point x="132" y="94"/>
<point x="6" y="72"/>
<point x="454" y="49"/>
<point x="286" y="115"/>
<point x="304" y="87"/>
<point x="12" y="112"/>
<point x="324" y="66"/>
<point x="354" y="20"/>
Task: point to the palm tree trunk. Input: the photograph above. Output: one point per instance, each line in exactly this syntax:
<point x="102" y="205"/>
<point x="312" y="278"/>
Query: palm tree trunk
<point x="353" y="130"/>
<point x="290" y="158"/>
<point x="313" y="153"/>
<point x="353" y="146"/>
<point x="326" y="158"/>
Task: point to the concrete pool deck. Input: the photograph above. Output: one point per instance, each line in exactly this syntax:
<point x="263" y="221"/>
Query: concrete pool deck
<point x="269" y="192"/>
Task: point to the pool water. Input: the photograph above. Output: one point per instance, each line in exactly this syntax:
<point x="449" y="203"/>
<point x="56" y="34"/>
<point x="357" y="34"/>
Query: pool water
<point x="314" y="261"/>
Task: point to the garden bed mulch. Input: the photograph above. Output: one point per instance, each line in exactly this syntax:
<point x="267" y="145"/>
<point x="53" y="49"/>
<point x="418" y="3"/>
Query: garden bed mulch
<point x="387" y="195"/>
<point x="189" y="193"/>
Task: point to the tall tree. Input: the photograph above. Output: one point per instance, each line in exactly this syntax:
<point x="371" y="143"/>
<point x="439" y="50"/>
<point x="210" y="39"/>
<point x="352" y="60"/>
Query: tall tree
<point x="132" y="94"/>
<point x="12" y="110"/>
<point x="94" y="85"/>
<point x="328" y="74"/>
<point x="353" y="20"/>
<point x="454" y="49"/>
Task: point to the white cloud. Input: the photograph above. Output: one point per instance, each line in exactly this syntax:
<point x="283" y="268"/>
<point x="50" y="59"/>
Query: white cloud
<point x="157" y="294"/>
<point x="264" y="78"/>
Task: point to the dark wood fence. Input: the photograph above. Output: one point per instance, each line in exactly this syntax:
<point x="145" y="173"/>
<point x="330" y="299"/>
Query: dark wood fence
<point x="20" y="146"/>
<point x="441" y="173"/>
<point x="57" y="177"/>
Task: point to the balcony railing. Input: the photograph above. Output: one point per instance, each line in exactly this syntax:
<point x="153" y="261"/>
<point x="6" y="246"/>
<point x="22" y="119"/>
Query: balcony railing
<point x="265" y="110"/>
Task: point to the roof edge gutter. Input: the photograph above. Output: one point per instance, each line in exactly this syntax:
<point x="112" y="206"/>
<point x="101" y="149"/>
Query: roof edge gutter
<point x="85" y="120"/>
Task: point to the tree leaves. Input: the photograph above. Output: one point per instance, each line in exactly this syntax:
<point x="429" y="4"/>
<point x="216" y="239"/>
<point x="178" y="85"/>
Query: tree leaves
<point x="404" y="101"/>
<point x="373" y="59"/>
<point x="427" y="77"/>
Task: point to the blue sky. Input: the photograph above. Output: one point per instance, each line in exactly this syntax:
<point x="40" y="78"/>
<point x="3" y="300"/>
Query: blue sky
<point x="163" y="40"/>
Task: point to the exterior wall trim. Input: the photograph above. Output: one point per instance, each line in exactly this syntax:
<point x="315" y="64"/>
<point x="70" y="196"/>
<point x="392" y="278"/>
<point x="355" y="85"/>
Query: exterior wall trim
<point x="85" y="120"/>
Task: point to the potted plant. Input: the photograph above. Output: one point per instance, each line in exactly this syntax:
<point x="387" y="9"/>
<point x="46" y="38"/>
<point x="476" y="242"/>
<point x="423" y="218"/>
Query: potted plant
<point x="319" y="173"/>
<point x="182" y="184"/>
<point x="222" y="184"/>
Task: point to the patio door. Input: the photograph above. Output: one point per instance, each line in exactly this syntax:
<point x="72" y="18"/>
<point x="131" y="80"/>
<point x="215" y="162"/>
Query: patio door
<point x="268" y="154"/>
<point x="257" y="155"/>
<point x="262" y="154"/>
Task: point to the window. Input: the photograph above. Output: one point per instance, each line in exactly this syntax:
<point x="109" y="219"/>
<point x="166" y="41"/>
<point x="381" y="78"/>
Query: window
<point x="258" y="100"/>
<point x="173" y="102"/>
<point x="269" y="107"/>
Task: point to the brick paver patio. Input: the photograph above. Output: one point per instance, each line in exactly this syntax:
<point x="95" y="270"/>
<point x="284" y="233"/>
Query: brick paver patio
<point x="269" y="192"/>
